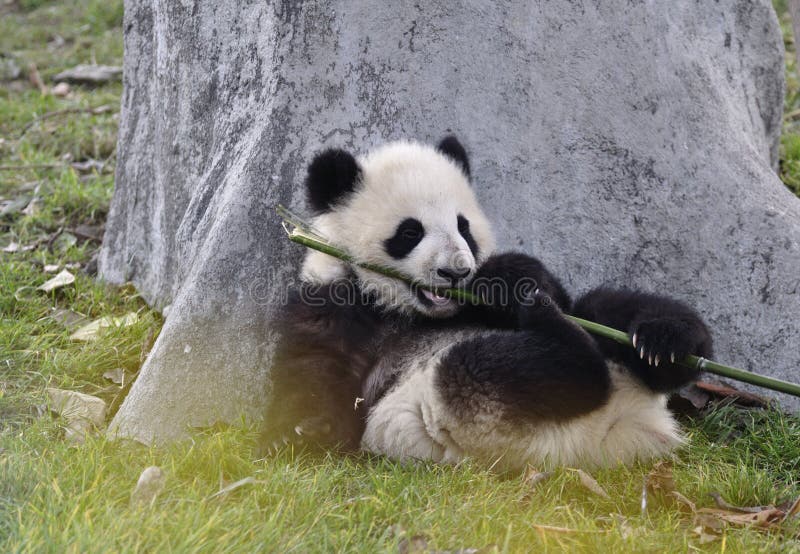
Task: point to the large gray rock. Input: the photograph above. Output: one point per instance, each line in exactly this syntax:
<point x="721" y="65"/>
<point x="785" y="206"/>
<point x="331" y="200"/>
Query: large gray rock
<point x="631" y="143"/>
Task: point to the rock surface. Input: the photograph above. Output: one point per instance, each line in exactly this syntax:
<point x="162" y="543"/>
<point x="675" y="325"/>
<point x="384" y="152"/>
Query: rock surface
<point x="632" y="143"/>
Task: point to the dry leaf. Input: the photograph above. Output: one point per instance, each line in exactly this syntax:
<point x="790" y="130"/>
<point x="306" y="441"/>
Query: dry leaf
<point x="118" y="376"/>
<point x="91" y="331"/>
<point x="590" y="483"/>
<point x="51" y="268"/>
<point x="418" y="544"/>
<point x="235" y="485"/>
<point x="703" y="535"/>
<point x="68" y="318"/>
<point x="64" y="241"/>
<point x="683" y="501"/>
<point x="61" y="89"/>
<point x="12" y="247"/>
<point x="82" y="412"/>
<point x="533" y="476"/>
<point x="11" y="207"/>
<point x="709" y="522"/>
<point x="151" y="482"/>
<point x="794" y="509"/>
<point x="764" y="518"/>
<point x="89" y="74"/>
<point x="661" y="479"/>
<point x="61" y="280"/>
<point x="720" y="502"/>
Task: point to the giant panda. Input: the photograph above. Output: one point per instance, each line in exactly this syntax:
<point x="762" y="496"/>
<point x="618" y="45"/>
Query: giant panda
<point x="367" y="362"/>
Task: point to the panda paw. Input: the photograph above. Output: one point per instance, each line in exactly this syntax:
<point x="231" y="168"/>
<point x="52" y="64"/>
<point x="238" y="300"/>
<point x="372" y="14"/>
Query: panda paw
<point x="662" y="341"/>
<point x="536" y="307"/>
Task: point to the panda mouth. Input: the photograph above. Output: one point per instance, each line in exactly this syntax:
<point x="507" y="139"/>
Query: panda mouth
<point x="430" y="298"/>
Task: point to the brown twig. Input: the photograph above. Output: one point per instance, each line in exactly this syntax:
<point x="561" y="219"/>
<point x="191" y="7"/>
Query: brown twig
<point x="30" y="166"/>
<point x="85" y="236"/>
<point x="35" y="78"/>
<point x="52" y="239"/>
<point x="49" y="115"/>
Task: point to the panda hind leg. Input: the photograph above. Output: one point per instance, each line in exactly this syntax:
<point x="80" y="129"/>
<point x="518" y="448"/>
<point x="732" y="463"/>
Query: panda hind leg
<point x="550" y="370"/>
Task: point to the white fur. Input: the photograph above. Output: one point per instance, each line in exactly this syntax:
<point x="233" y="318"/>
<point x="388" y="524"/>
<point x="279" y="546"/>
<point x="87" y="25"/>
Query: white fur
<point x="413" y="422"/>
<point x="402" y="180"/>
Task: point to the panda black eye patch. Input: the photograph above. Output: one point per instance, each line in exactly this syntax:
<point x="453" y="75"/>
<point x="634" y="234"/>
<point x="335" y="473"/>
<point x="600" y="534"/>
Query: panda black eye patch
<point x="406" y="237"/>
<point x="463" y="229"/>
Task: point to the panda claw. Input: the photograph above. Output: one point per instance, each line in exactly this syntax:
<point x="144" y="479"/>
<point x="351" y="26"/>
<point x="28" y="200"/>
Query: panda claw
<point x="657" y="360"/>
<point x="672" y="357"/>
<point x="298" y="431"/>
<point x="650" y="359"/>
<point x="641" y="353"/>
<point x="634" y="340"/>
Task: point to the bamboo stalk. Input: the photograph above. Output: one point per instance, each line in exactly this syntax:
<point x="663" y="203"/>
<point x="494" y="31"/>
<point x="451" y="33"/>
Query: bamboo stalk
<point x="304" y="234"/>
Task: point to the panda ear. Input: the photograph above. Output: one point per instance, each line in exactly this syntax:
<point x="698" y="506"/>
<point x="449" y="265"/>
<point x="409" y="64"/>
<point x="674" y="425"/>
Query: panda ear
<point x="450" y="147"/>
<point x="332" y="175"/>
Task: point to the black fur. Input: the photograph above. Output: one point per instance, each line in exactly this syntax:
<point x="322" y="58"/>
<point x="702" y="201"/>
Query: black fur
<point x="463" y="230"/>
<point x="663" y="327"/>
<point x="450" y="147"/>
<point x="536" y="363"/>
<point x="332" y="175"/>
<point x="406" y="237"/>
<point x="325" y="351"/>
<point x="504" y="281"/>
<point x="548" y="371"/>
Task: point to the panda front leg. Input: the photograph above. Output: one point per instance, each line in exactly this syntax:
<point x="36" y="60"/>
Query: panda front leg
<point x="664" y="331"/>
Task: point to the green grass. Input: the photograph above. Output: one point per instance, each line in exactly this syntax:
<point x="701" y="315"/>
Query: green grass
<point x="59" y="498"/>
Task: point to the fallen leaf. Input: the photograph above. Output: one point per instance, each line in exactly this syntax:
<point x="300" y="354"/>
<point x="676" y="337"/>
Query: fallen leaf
<point x="235" y="485"/>
<point x="91" y="331"/>
<point x="566" y="530"/>
<point x="9" y="68"/>
<point x="64" y="241"/>
<point x="709" y="523"/>
<point x="82" y="412"/>
<point x="32" y="207"/>
<point x="660" y="479"/>
<point x="89" y="74"/>
<point x="151" y="482"/>
<point x="736" y="396"/>
<point x="418" y="544"/>
<point x="88" y="165"/>
<point x="704" y="536"/>
<point x="12" y="247"/>
<point x="51" y="268"/>
<point x="683" y="501"/>
<point x="765" y="518"/>
<point x="89" y="232"/>
<point x="11" y="207"/>
<point x="69" y="319"/>
<point x="118" y="376"/>
<point x="794" y="509"/>
<point x="720" y="502"/>
<point x="61" y="280"/>
<point x="533" y="476"/>
<point x="61" y="89"/>
<point x="590" y="483"/>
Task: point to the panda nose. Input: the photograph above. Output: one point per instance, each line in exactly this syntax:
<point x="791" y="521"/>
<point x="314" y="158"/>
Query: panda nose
<point x="453" y="274"/>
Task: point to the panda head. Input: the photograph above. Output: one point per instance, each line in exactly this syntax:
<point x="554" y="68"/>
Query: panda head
<point x="406" y="206"/>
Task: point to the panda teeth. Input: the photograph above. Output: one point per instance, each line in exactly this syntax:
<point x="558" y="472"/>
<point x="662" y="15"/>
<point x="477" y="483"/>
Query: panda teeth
<point x="435" y="298"/>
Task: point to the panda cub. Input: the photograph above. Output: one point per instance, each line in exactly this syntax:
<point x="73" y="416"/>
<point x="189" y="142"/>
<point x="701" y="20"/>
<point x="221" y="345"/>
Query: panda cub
<point x="368" y="362"/>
